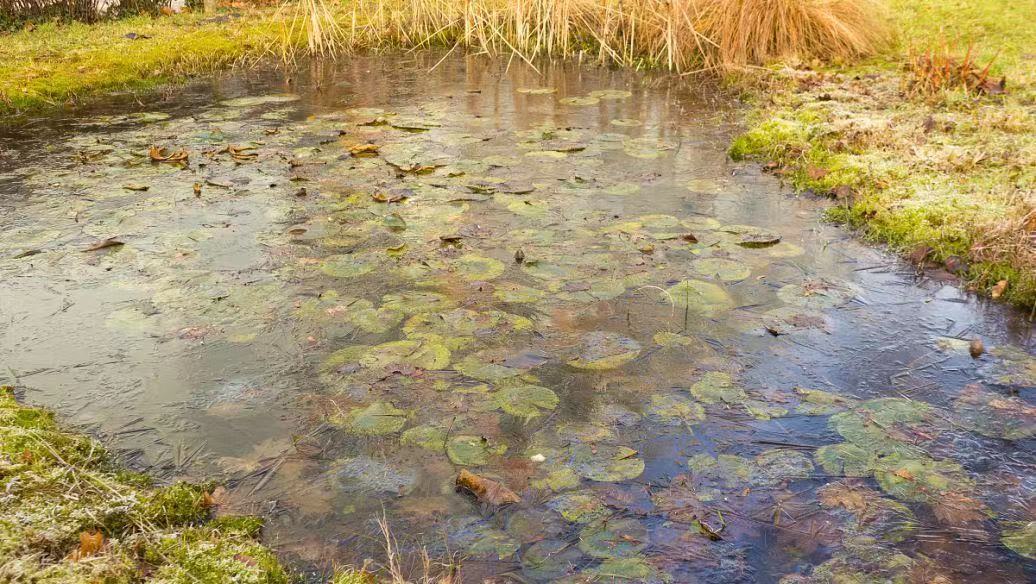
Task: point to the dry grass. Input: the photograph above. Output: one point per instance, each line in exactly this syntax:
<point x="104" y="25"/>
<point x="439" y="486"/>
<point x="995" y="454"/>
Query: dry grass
<point x="935" y="71"/>
<point x="679" y="35"/>
<point x="316" y="22"/>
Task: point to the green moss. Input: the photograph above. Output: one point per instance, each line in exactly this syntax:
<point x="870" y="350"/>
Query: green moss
<point x="59" y="485"/>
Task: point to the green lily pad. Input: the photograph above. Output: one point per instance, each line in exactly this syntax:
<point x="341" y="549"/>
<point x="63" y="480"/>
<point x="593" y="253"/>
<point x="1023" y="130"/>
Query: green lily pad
<point x="579" y="101"/>
<point x="472" y="450"/>
<point x="579" y="506"/>
<point x="614" y="538"/>
<point x="259" y="100"/>
<point x="845" y="459"/>
<point x="605" y="463"/>
<point x="518" y="294"/>
<point x="717" y="387"/>
<point x="348" y="265"/>
<point x="609" y="94"/>
<point x="751" y="236"/>
<point x="675" y="408"/>
<point x="525" y="401"/>
<point x="920" y="479"/>
<point x="474" y="267"/>
<point x="726" y="469"/>
<point x="1020" y="537"/>
<point x="701" y="298"/>
<point x="775" y="466"/>
<point x="995" y="415"/>
<point x="374" y="420"/>
<point x="413" y="302"/>
<point x="821" y="403"/>
<point x="605" y="350"/>
<point x="818" y="294"/>
<point x="722" y="269"/>
<point x="422" y="354"/>
<point x="550" y="559"/>
<point x="631" y="569"/>
<point x="425" y="436"/>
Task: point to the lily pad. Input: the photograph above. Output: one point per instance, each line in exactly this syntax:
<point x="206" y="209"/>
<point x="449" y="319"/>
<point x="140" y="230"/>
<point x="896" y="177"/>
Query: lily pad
<point x="376" y="419"/>
<point x="675" y="408"/>
<point x="1020" y="537"/>
<point x="259" y="100"/>
<point x="752" y="236"/>
<point x="717" y="387"/>
<point x="722" y="269"/>
<point x="472" y="450"/>
<point x="550" y="559"/>
<point x="426" y="436"/>
<point x="579" y="506"/>
<point x="579" y="101"/>
<point x="614" y="538"/>
<point x="414" y="302"/>
<point x="348" y="265"/>
<point x="606" y="463"/>
<point x="474" y="267"/>
<point x="818" y="294"/>
<point x="605" y="350"/>
<point x="525" y="401"/>
<point x="701" y="298"/>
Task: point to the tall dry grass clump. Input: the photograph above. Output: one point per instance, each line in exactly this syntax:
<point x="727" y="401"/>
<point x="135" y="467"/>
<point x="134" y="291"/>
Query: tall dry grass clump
<point x="679" y="35"/>
<point x="758" y="31"/>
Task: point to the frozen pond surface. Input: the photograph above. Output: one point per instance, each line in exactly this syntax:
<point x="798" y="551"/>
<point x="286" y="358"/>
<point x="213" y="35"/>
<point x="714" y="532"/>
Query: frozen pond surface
<point x="363" y="281"/>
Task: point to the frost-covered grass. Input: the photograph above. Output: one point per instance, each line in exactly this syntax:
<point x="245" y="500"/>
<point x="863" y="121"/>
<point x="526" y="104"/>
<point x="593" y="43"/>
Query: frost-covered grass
<point x="70" y="515"/>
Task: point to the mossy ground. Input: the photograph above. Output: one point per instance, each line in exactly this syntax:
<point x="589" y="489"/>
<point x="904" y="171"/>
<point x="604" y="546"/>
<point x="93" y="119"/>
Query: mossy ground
<point x="51" y="64"/>
<point x="947" y="178"/>
<point x="70" y="515"/>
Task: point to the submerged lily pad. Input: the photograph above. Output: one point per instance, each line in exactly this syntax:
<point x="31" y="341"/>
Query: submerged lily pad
<point x="1020" y="537"/>
<point x="475" y="267"/>
<point x="579" y="506"/>
<point x="375" y="419"/>
<point x="722" y="269"/>
<point x="259" y="100"/>
<point x="752" y="236"/>
<point x="579" y="101"/>
<point x="701" y="298"/>
<point x="348" y="265"/>
<point x="675" y="408"/>
<point x="605" y="463"/>
<point x="718" y="387"/>
<point x="413" y="302"/>
<point x="613" y="538"/>
<point x="472" y="450"/>
<point x="423" y="354"/>
<point x="426" y="436"/>
<point x="363" y="475"/>
<point x="525" y="401"/>
<point x="605" y="350"/>
<point x="818" y="294"/>
<point x="995" y="415"/>
<point x="550" y="559"/>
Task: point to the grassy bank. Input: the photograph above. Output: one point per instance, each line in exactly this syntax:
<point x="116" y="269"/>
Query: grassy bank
<point x="52" y="64"/>
<point x="946" y="176"/>
<point x="70" y="515"/>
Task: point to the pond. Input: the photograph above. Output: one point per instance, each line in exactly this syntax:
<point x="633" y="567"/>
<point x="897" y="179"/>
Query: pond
<point x="337" y="292"/>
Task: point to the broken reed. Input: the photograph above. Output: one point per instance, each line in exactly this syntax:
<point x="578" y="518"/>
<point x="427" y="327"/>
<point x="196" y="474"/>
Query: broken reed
<point x="678" y="35"/>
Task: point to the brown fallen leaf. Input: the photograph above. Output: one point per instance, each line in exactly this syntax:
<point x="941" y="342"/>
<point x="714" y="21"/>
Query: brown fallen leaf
<point x="388" y="198"/>
<point x="816" y="173"/>
<point x="103" y="244"/>
<point x="90" y="542"/>
<point x="197" y="189"/>
<point x="364" y="149"/>
<point x="135" y="187"/>
<point x="998" y="290"/>
<point x="161" y="154"/>
<point x="689" y="238"/>
<point x="976" y="348"/>
<point x="486" y="490"/>
<point x="240" y="153"/>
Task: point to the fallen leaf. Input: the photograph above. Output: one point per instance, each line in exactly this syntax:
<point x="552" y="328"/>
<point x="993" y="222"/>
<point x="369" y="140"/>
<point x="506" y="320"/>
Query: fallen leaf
<point x="135" y="187"/>
<point x="364" y="149"/>
<point x="998" y="290"/>
<point x="90" y="542"/>
<point x="106" y="243"/>
<point x="976" y="348"/>
<point x="486" y="490"/>
<point x="161" y="154"/>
